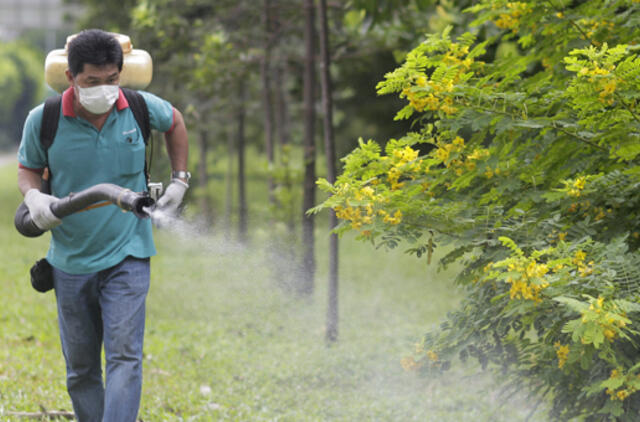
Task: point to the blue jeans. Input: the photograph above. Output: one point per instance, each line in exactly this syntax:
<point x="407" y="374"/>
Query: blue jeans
<point x="107" y="306"/>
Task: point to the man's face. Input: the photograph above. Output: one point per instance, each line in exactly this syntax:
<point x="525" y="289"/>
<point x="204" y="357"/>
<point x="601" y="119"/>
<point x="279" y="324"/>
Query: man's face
<point x="93" y="75"/>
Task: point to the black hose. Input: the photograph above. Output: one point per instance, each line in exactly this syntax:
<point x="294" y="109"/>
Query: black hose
<point x="74" y="202"/>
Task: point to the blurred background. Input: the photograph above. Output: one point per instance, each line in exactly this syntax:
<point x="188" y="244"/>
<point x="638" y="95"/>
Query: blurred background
<point x="236" y="69"/>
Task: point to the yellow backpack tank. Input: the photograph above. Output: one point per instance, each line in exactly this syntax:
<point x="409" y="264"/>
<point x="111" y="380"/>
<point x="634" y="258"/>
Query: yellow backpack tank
<point x="137" y="68"/>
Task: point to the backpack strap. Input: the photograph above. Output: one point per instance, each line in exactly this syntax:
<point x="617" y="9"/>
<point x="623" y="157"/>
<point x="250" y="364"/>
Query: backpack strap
<point x="50" y="118"/>
<point x="140" y="111"/>
<point x="48" y="129"/>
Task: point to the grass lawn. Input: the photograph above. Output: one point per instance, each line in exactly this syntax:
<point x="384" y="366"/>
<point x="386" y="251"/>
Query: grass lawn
<point x="225" y="341"/>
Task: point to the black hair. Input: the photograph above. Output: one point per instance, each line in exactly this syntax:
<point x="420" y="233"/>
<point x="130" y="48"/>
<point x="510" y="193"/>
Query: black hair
<point x="93" y="46"/>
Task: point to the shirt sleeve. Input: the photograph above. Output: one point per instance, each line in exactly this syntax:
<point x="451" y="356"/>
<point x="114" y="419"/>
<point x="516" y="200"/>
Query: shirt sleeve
<point x="160" y="112"/>
<point x="31" y="154"/>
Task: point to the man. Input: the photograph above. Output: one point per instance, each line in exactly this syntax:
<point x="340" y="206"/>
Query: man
<point x="100" y="257"/>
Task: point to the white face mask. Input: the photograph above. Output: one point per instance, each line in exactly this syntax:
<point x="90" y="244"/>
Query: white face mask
<point x="98" y="99"/>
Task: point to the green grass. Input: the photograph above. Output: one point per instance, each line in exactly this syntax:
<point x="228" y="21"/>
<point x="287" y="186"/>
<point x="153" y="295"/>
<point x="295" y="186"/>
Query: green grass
<point x="225" y="340"/>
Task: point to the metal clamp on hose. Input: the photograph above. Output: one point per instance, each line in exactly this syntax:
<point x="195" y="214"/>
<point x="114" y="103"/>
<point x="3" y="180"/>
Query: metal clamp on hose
<point x="118" y="200"/>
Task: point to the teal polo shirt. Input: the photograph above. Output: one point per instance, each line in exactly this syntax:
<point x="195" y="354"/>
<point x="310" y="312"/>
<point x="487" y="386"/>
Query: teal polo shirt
<point x="81" y="157"/>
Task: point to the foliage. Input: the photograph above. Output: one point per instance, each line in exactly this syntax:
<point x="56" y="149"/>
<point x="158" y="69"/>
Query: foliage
<point x="524" y="157"/>
<point x="109" y="15"/>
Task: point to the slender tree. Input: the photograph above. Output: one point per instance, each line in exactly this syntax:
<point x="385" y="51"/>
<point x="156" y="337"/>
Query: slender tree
<point x="240" y="148"/>
<point x="280" y="103"/>
<point x="203" y="178"/>
<point x="330" y="151"/>
<point x="308" y="199"/>
<point x="267" y="97"/>
<point x="228" y="208"/>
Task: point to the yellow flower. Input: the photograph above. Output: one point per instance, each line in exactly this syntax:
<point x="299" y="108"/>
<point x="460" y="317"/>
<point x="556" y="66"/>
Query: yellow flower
<point x="622" y="394"/>
<point x="577" y="186"/>
<point x="367" y="191"/>
<point x="442" y="154"/>
<point x="396" y="219"/>
<point x="609" y="334"/>
<point x="449" y="110"/>
<point x="478" y="154"/>
<point x="585" y="270"/>
<point x="609" y="88"/>
<point x="409" y="364"/>
<point x="431" y="102"/>
<point x="562" y="351"/>
<point x="579" y="257"/>
<point x="433" y="356"/>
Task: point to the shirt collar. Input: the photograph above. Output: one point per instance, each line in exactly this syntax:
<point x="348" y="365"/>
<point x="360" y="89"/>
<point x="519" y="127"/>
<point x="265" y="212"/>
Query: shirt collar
<point x="68" y="96"/>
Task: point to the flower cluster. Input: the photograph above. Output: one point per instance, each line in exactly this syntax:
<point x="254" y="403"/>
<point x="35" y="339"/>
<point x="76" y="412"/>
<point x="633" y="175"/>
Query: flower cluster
<point x="451" y="155"/>
<point x="591" y="26"/>
<point x="530" y="281"/>
<point x="577" y="187"/>
<point x="584" y="269"/>
<point x="602" y="79"/>
<point x="511" y="18"/>
<point x="409" y="364"/>
<point x="364" y="203"/>
<point x="436" y="93"/>
<point x="525" y="276"/>
<point x="404" y="162"/>
<point x="621" y="386"/>
<point x="608" y="317"/>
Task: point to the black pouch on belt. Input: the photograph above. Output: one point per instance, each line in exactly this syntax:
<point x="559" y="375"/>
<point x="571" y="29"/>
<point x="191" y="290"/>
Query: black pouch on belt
<point x="42" y="276"/>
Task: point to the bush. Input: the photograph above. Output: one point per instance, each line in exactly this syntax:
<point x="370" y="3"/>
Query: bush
<point x="531" y="172"/>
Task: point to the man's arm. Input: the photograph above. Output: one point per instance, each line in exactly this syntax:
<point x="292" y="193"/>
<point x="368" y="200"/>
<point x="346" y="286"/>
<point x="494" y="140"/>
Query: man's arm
<point x="178" y="143"/>
<point x="28" y="179"/>
<point x="178" y="150"/>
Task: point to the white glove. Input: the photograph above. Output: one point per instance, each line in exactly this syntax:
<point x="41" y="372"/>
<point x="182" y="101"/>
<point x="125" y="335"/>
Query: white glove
<point x="172" y="197"/>
<point x="39" y="205"/>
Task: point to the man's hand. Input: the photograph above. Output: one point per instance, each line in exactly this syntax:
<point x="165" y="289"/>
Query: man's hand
<point x="172" y="198"/>
<point x="39" y="205"/>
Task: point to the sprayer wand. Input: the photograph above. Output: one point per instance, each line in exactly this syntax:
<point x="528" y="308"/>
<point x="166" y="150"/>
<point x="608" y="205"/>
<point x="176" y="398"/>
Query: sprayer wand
<point x="93" y="197"/>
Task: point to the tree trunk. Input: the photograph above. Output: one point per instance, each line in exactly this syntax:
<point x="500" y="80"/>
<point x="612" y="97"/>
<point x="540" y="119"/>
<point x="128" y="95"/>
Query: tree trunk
<point x="281" y="112"/>
<point x="282" y="134"/>
<point x="242" y="196"/>
<point x="308" y="200"/>
<point x="267" y="101"/>
<point x="228" y="209"/>
<point x="203" y="179"/>
<point x="330" y="151"/>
